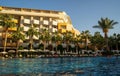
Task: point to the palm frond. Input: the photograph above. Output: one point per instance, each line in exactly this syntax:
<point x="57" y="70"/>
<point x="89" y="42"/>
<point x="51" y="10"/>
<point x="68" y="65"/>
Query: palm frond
<point x="114" y="23"/>
<point x="96" y="26"/>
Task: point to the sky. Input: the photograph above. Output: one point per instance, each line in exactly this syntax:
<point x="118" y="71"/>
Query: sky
<point x="83" y="13"/>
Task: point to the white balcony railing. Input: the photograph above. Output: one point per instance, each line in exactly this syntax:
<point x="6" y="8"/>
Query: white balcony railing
<point x="45" y="22"/>
<point x="54" y="30"/>
<point x="27" y="21"/>
<point x="54" y="23"/>
<point x="36" y="22"/>
<point x="26" y="28"/>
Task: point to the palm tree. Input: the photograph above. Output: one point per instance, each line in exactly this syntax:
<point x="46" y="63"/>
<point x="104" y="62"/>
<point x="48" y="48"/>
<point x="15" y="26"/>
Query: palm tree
<point x="105" y="24"/>
<point x="32" y="32"/>
<point x="7" y="21"/>
<point x="17" y="36"/>
<point x="56" y="38"/>
<point x="97" y="41"/>
<point x="67" y="37"/>
<point x="45" y="37"/>
<point x="85" y="36"/>
<point x="118" y="39"/>
<point x="77" y="41"/>
<point x="114" y="40"/>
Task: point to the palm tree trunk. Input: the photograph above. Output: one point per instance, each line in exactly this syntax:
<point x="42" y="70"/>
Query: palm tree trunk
<point x="116" y="46"/>
<point x="56" y="47"/>
<point x="67" y="48"/>
<point x="17" y="45"/>
<point x="111" y="47"/>
<point x="77" y="48"/>
<point x="44" y="45"/>
<point x="5" y="42"/>
<point x="106" y="40"/>
<point x="30" y="45"/>
<point x="86" y="43"/>
<point x="31" y="42"/>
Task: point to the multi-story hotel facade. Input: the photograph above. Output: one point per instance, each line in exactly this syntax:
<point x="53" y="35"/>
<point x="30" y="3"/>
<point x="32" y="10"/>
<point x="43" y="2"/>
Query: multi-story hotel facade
<point x="44" y="19"/>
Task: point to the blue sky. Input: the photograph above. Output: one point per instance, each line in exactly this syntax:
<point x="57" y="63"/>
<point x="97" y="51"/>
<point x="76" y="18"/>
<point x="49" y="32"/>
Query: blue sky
<point x="84" y="13"/>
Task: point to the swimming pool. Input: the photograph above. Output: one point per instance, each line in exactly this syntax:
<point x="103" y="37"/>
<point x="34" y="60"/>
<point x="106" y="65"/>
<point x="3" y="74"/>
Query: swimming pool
<point x="71" y="66"/>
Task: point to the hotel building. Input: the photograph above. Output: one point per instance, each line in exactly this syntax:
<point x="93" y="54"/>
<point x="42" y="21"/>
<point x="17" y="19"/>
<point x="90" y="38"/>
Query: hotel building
<point x="44" y="19"/>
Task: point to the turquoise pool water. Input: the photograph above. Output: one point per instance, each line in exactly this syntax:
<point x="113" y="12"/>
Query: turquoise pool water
<point x="70" y="66"/>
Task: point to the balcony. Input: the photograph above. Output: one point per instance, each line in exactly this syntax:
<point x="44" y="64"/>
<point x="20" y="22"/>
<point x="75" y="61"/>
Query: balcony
<point x="54" y="23"/>
<point x="36" y="22"/>
<point x="9" y="44"/>
<point x="8" y="35"/>
<point x="62" y="30"/>
<point x="12" y="29"/>
<point x="26" y="28"/>
<point x="62" y="25"/>
<point x="45" y="22"/>
<point x="27" y="21"/>
<point x="15" y="20"/>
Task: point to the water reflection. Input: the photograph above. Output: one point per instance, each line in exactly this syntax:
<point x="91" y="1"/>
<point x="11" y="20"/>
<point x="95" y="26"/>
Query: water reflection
<point x="74" y="66"/>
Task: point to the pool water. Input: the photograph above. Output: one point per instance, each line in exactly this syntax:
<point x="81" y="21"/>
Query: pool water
<point x="70" y="66"/>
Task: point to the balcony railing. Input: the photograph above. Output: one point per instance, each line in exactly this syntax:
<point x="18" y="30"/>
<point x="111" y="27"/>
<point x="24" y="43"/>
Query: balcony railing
<point x="8" y="35"/>
<point x="62" y="25"/>
<point x="27" y="21"/>
<point x="36" y="22"/>
<point x="62" y="30"/>
<point x="10" y="44"/>
<point x="12" y="29"/>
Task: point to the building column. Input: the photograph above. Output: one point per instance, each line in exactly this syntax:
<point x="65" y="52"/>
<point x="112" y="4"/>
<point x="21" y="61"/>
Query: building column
<point x="21" y="21"/>
<point x="31" y="21"/>
<point x="50" y="25"/>
<point x="41" y="22"/>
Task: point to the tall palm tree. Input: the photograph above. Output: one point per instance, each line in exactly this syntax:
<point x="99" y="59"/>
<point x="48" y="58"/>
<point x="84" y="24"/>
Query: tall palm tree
<point x="32" y="32"/>
<point x="17" y="36"/>
<point x="56" y="38"/>
<point x="105" y="24"/>
<point x="45" y="37"/>
<point x="77" y="41"/>
<point x="67" y="38"/>
<point x="7" y="21"/>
